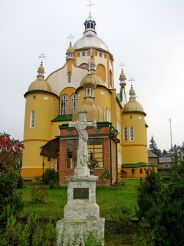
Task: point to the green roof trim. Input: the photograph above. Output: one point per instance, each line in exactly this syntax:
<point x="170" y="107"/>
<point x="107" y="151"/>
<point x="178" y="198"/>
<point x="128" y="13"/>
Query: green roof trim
<point x="99" y="124"/>
<point x="64" y="117"/>
<point x="40" y="91"/>
<point x="139" y="164"/>
<point x="134" y="111"/>
<point x="103" y="124"/>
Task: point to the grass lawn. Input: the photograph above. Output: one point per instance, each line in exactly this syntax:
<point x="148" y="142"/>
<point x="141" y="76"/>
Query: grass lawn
<point x="113" y="201"/>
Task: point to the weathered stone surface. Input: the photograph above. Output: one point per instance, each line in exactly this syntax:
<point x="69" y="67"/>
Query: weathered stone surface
<point x="77" y="230"/>
<point x="81" y="208"/>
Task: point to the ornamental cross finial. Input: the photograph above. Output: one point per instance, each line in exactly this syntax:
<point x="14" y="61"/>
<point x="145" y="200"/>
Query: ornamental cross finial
<point x="89" y="5"/>
<point x="70" y="37"/>
<point x="131" y="80"/>
<point x="122" y="65"/>
<point x="41" y="57"/>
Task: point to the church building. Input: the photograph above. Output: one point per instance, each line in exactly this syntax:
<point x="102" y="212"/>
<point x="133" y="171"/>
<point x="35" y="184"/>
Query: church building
<point x="85" y="83"/>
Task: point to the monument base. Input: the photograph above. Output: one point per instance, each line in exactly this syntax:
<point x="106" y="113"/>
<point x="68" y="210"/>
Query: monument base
<point x="78" y="232"/>
<point x="81" y="214"/>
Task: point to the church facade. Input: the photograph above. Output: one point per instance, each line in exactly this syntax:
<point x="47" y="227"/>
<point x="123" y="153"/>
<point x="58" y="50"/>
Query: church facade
<point x="84" y="84"/>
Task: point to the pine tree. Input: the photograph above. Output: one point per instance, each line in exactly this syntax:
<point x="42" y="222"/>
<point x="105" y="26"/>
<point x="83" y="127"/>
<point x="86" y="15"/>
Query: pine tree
<point x="153" y="147"/>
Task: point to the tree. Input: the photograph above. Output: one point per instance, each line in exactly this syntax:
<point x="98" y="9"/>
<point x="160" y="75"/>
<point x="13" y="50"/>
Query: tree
<point x="10" y="156"/>
<point x="164" y="212"/>
<point x="10" y="152"/>
<point x="153" y="147"/>
<point x="147" y="197"/>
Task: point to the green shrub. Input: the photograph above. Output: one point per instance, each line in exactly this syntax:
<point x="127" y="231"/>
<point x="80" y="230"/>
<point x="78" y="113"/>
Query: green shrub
<point x="162" y="210"/>
<point x="50" y="177"/>
<point x="10" y="200"/>
<point x="34" y="232"/>
<point x="20" y="183"/>
<point x="39" y="194"/>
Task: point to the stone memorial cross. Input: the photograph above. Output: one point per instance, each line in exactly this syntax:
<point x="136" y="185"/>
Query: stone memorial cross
<point x="82" y="169"/>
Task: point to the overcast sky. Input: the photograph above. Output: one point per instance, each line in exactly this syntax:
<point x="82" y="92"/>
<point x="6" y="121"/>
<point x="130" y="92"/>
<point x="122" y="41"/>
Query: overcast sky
<point x="146" y="35"/>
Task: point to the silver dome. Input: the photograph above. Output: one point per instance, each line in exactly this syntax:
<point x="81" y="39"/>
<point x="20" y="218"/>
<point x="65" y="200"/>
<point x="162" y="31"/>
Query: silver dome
<point x="90" y="40"/>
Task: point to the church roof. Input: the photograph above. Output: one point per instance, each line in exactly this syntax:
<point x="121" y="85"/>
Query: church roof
<point x="133" y="105"/>
<point x="89" y="38"/>
<point x="40" y="83"/>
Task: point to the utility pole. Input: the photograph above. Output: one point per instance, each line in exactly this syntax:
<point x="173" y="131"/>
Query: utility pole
<point x="170" y="133"/>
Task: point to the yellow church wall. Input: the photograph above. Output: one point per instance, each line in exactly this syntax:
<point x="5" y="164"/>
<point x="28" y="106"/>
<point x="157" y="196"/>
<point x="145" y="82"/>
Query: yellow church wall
<point x="103" y="97"/>
<point x="134" y="153"/>
<point x="46" y="107"/>
<point x="32" y="160"/>
<point x="55" y="129"/>
<point x="114" y="109"/>
<point x="137" y="121"/>
<point x="139" y="145"/>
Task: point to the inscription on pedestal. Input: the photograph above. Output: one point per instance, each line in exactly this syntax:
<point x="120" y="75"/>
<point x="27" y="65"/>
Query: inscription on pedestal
<point x="81" y="193"/>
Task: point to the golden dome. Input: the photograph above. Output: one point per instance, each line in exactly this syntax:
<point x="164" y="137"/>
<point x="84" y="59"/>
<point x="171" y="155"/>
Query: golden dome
<point x="91" y="80"/>
<point x="122" y="76"/>
<point x="133" y="105"/>
<point x="40" y="83"/>
<point x="94" y="111"/>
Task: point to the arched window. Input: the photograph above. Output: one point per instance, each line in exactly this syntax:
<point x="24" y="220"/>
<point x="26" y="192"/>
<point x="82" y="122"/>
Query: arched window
<point x="140" y="171"/>
<point x="88" y="25"/>
<point x="32" y="119"/>
<point x="101" y="71"/>
<point x="107" y="114"/>
<point x="110" y="82"/>
<point x="131" y="133"/>
<point x="64" y="104"/>
<point x="73" y="102"/>
<point x="133" y="171"/>
<point x="69" y="77"/>
<point x="125" y="131"/>
<point x="89" y="92"/>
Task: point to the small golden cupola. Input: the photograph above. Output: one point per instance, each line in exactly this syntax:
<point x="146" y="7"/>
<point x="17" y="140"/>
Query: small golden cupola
<point x="40" y="83"/>
<point x="94" y="111"/>
<point x="133" y="105"/>
<point x="91" y="79"/>
<point x="70" y="52"/>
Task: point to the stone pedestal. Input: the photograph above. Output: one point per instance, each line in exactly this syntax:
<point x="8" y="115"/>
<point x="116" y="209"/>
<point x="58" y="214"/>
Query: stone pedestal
<point x="81" y="213"/>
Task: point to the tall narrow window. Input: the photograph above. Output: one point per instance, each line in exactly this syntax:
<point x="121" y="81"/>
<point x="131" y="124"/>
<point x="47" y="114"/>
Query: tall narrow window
<point x="131" y="133"/>
<point x="73" y="102"/>
<point x="89" y="92"/>
<point x="32" y="119"/>
<point x="125" y="133"/>
<point x="69" y="77"/>
<point x="64" y="104"/>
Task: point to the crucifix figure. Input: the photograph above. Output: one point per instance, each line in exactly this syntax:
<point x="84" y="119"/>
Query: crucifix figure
<point x="82" y="151"/>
